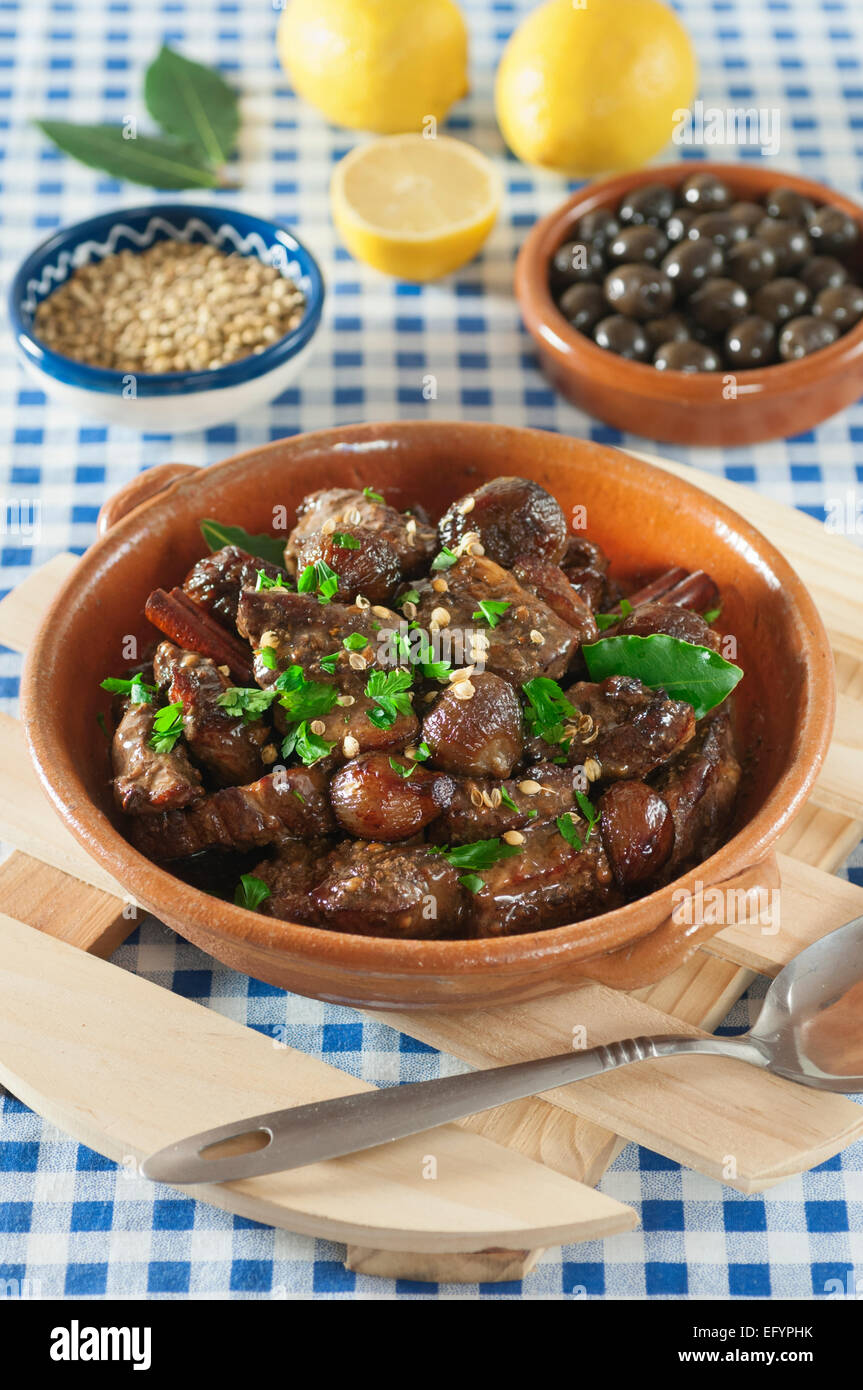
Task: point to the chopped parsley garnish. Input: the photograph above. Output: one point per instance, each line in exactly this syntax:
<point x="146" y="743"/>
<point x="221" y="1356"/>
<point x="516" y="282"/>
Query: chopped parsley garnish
<point x="388" y="690"/>
<point x="250" y="702"/>
<point x="167" y="727"/>
<point x="355" y="642"/>
<point x="412" y="596"/>
<point x="269" y="658"/>
<point x="264" y="581"/>
<point x="403" y="772"/>
<point x="319" y="578"/>
<point x="445" y="559"/>
<point x="566" y="826"/>
<point x="711" y="615"/>
<point x="345" y="541"/>
<point x="371" y="495"/>
<point x="506" y="800"/>
<point x="138" y="692"/>
<point x="480" y="854"/>
<point x="472" y="882"/>
<point x="328" y="663"/>
<point x="251" y="892"/>
<point x="436" y="670"/>
<point x="547" y="709"/>
<point x="492" y="610"/>
<point x="422" y="752"/>
<point x="309" y="747"/>
<point x="302" y="699"/>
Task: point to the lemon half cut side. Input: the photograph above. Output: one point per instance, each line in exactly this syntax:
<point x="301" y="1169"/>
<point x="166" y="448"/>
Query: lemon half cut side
<point x="413" y="206"/>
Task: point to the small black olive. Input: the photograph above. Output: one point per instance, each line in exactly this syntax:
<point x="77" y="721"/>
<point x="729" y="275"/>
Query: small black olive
<point x="583" y="305"/>
<point x="643" y="243"/>
<point x="750" y="214"/>
<point x="678" y="225"/>
<point x="575" y="262"/>
<point x="782" y="299"/>
<point x="691" y="263"/>
<point x="599" y="226"/>
<point x="671" y="328"/>
<point x="639" y="291"/>
<point x="653" y="203"/>
<point x="718" y="304"/>
<point x="842" y="305"/>
<point x="805" y="335"/>
<point x="624" y="336"/>
<point x="833" y="231"/>
<point x="823" y="273"/>
<point x="789" y="242"/>
<point x="751" y="263"/>
<point x="790" y="206"/>
<point x="687" y="356"/>
<point x="706" y="192"/>
<point x="751" y="343"/>
<point x="719" y="227"/>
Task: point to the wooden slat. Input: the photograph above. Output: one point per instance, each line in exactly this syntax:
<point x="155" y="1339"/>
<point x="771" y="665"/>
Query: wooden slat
<point x="128" y="1067"/>
<point x="695" y="1110"/>
<point x="64" y="907"/>
<point x="22" y="610"/>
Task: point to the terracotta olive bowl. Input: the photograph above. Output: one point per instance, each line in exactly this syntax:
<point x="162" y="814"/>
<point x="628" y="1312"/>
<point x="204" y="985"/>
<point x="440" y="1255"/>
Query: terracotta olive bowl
<point x="705" y="408"/>
<point x="644" y="518"/>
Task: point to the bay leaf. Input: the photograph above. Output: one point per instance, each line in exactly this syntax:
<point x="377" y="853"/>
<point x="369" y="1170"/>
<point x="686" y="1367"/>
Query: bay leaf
<point x="156" y="162"/>
<point x="685" y="671"/>
<point x="193" y="102"/>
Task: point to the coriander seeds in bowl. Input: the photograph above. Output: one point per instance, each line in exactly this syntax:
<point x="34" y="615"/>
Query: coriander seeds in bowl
<point x="171" y="317"/>
<point x="174" y="306"/>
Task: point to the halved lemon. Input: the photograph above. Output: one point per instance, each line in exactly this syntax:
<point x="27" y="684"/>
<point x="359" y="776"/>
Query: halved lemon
<point x="414" y="206"/>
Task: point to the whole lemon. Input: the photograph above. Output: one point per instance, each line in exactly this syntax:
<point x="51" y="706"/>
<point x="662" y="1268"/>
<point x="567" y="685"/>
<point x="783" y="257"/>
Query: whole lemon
<point x="588" y="89"/>
<point x="381" y="65"/>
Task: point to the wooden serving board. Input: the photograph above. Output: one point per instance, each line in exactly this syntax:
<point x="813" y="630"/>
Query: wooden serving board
<point x="95" y="1049"/>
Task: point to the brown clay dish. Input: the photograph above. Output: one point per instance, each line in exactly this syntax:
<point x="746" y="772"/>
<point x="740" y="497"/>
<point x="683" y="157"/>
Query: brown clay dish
<point x="639" y="515"/>
<point x="771" y="402"/>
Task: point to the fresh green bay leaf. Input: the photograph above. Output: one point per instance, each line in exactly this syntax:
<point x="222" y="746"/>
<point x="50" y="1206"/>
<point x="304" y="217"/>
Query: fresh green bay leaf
<point x="194" y="103"/>
<point x="217" y="534"/>
<point x="155" y="161"/>
<point x="698" y="675"/>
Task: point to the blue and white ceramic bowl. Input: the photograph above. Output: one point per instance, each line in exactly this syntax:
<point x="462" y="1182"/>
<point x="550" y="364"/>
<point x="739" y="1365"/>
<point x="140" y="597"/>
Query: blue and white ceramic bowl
<point x="171" y="401"/>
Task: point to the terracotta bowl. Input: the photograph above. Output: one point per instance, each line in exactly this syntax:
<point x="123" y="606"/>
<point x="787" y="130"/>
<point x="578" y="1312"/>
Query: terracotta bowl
<point x="643" y="517"/>
<point x="770" y="403"/>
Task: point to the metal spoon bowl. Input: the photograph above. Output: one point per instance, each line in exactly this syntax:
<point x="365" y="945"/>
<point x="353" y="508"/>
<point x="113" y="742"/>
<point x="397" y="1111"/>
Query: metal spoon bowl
<point x="810" y="1030"/>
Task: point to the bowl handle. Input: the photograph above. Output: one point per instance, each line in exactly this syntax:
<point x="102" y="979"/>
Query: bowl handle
<point x="143" y="488"/>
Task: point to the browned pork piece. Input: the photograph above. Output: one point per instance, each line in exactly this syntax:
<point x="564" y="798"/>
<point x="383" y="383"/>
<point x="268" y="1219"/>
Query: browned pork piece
<point x="296" y="867"/>
<point x="475" y="727"/>
<point x="383" y="798"/>
<point x="484" y="808"/>
<point x="217" y="580"/>
<point x="528" y="639"/>
<point x="147" y="783"/>
<point x="224" y="744"/>
<point x="637" y="832"/>
<point x="585" y="566"/>
<point x="387" y="890"/>
<point x="700" y="789"/>
<point x="548" y="882"/>
<point x="549" y="583"/>
<point x="661" y="616"/>
<point x="631" y="730"/>
<point x="300" y="631"/>
<point x="512" y="517"/>
<point x="289" y="803"/>
<point x="364" y="561"/>
<point x="340" y="509"/>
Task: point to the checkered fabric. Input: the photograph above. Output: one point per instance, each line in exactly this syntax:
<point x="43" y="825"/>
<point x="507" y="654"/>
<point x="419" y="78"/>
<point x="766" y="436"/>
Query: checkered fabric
<point x="70" y="1221"/>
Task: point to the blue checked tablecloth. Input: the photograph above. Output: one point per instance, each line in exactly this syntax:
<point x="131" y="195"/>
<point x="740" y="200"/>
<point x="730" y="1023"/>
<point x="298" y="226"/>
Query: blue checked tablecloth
<point x="69" y="1219"/>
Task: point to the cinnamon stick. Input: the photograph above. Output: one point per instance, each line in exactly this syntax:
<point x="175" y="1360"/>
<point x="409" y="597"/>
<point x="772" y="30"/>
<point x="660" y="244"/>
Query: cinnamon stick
<point x="192" y="628"/>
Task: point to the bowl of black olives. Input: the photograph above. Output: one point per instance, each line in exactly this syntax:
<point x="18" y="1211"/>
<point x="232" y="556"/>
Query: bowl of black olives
<point x="700" y="303"/>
